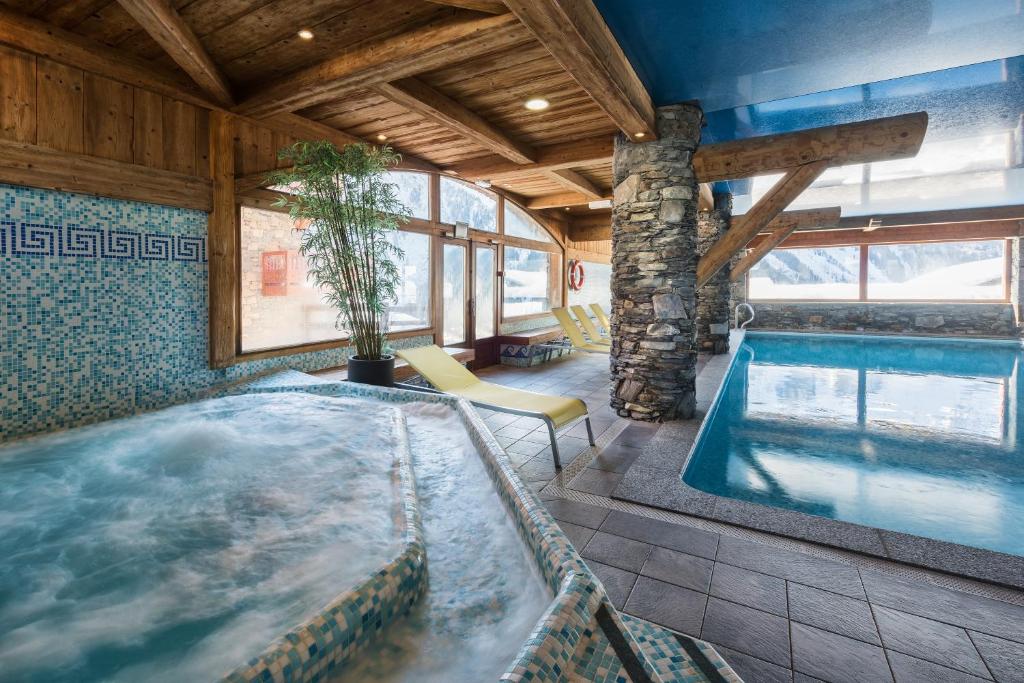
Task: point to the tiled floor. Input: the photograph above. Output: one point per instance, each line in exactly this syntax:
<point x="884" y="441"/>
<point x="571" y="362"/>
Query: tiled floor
<point x="774" y="614"/>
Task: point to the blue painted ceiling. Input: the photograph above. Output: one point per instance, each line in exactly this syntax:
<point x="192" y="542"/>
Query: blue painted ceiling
<point x="760" y="67"/>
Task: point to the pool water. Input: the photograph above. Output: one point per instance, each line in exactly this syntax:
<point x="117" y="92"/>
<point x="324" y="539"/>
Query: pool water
<point x="176" y="545"/>
<point x="920" y="436"/>
<point x="485" y="594"/>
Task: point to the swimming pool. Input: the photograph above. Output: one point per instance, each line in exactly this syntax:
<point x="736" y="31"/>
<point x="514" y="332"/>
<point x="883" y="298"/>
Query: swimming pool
<point x="918" y="436"/>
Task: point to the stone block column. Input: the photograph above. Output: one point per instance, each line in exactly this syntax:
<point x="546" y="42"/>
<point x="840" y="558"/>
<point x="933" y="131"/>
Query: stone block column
<point x="713" y="298"/>
<point x="654" y="270"/>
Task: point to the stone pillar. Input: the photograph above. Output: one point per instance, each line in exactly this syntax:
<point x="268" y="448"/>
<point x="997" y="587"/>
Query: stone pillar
<point x="713" y="298"/>
<point x="654" y="270"/>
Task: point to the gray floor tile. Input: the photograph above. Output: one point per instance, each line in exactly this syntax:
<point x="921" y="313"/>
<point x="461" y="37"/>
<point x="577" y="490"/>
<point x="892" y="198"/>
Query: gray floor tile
<point x="623" y="553"/>
<point x="538" y="467"/>
<point x="970" y="611"/>
<point x="579" y="535"/>
<point x="763" y="635"/>
<point x="832" y="612"/>
<point x="512" y="431"/>
<point x="790" y="565"/>
<point x="539" y="436"/>
<point x="523" y="447"/>
<point x="615" y="459"/>
<point x="596" y="482"/>
<point x="760" y="591"/>
<point x="752" y="669"/>
<point x="927" y="639"/>
<point x="676" y="608"/>
<point x="688" y="571"/>
<point x="674" y="536"/>
<point x="636" y="435"/>
<point x="1005" y="658"/>
<point x="583" y="514"/>
<point x="907" y="669"/>
<point x="836" y="658"/>
<point x="617" y="582"/>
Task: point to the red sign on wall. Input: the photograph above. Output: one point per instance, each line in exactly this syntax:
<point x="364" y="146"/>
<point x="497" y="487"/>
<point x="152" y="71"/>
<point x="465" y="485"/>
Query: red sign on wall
<point x="274" y="269"/>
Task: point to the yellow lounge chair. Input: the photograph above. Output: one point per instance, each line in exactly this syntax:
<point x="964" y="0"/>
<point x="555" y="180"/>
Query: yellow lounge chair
<point x="574" y="334"/>
<point x="449" y="376"/>
<point x="588" y="325"/>
<point x="602" y="317"/>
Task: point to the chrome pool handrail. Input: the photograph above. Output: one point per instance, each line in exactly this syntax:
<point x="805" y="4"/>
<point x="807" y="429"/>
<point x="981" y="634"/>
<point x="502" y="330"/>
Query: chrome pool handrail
<point x="736" y="315"/>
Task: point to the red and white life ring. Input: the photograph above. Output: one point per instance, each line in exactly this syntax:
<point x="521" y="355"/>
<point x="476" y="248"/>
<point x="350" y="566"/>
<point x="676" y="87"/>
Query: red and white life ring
<point x="576" y="275"/>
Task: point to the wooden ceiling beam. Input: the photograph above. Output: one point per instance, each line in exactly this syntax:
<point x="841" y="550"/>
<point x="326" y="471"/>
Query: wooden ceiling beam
<point x="560" y="200"/>
<point x="930" y="232"/>
<point x="981" y="213"/>
<point x="780" y="229"/>
<point x="576" y="35"/>
<point x="417" y="96"/>
<point x="432" y="46"/>
<point x="169" y="30"/>
<point x="747" y="226"/>
<point x="486" y="6"/>
<point x="571" y="180"/>
<point x="895" y="137"/>
<point x="42" y="39"/>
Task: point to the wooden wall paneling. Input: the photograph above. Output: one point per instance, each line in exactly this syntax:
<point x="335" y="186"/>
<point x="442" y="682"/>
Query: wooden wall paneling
<point x="179" y="136"/>
<point x="223" y="243"/>
<point x="202" y="142"/>
<point x="266" y="155"/>
<point x="17" y="95"/>
<point x="109" y="118"/>
<point x="148" y="149"/>
<point x="61" y="124"/>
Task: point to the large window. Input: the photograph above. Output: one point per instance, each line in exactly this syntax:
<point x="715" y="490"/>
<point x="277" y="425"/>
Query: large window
<point x="463" y="202"/>
<point x="597" y="287"/>
<point x="280" y="307"/>
<point x="829" y="273"/>
<point x="531" y="281"/>
<point x="518" y="223"/>
<point x="942" y="270"/>
<point x="932" y="271"/>
<point x="413" y="191"/>
<point x="411" y="308"/>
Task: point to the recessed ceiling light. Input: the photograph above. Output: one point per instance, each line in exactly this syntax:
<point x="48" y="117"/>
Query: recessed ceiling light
<point x="382" y="137"/>
<point x="567" y="208"/>
<point x="305" y="34"/>
<point x="451" y="171"/>
<point x="482" y="183"/>
<point x="537" y="104"/>
<point x="640" y="134"/>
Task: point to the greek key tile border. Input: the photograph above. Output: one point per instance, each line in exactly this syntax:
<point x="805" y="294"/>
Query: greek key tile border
<point x="72" y="240"/>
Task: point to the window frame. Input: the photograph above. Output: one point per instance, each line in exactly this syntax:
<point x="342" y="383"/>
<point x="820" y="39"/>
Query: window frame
<point x="862" y="278"/>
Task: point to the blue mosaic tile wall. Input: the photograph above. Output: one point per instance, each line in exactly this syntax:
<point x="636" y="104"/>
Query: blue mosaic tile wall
<point x="103" y="311"/>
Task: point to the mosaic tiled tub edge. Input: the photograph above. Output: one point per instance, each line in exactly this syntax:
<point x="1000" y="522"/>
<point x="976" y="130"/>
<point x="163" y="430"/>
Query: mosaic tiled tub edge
<point x="580" y="636"/>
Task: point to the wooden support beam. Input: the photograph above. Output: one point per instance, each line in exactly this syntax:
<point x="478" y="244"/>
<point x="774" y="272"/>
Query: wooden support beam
<point x="575" y="34"/>
<point x="558" y="201"/>
<point x="572" y="180"/>
<point x="932" y="232"/>
<point x="222" y="243"/>
<point x="781" y="228"/>
<point x="169" y="30"/>
<point x="893" y="137"/>
<point x="549" y="157"/>
<point x="437" y="44"/>
<point x="896" y="137"/>
<point x="486" y="6"/>
<point x="25" y="164"/>
<point x="417" y="96"/>
<point x="746" y="227"/>
<point x="981" y="213"/>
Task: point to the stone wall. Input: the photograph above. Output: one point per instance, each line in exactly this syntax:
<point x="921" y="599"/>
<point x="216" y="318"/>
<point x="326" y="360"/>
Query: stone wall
<point x="654" y="270"/>
<point x="713" y="298"/>
<point x="983" y="320"/>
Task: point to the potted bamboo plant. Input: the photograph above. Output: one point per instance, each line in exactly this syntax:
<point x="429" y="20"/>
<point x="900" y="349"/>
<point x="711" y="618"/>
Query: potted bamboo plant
<point x="349" y="211"/>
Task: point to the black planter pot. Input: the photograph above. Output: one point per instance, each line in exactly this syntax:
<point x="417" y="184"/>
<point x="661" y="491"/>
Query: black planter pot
<point x="380" y="372"/>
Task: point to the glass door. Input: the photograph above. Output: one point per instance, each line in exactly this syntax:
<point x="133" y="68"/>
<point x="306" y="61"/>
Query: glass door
<point x="483" y="304"/>
<point x="454" y="294"/>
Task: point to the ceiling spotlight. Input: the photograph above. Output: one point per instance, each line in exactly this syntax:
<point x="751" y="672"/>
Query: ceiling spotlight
<point x="639" y="135"/>
<point x="305" y="34"/>
<point x="537" y="104"/>
<point x="600" y="204"/>
<point x="568" y="209"/>
<point x="451" y="171"/>
<point x="482" y="183"/>
<point x="382" y="137"/>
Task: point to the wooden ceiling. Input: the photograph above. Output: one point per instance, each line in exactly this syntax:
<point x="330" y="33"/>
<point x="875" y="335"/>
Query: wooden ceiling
<point x="488" y="72"/>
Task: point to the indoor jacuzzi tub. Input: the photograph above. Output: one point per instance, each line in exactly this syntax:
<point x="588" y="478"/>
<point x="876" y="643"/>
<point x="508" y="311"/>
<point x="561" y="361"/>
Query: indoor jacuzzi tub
<point x="301" y="530"/>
